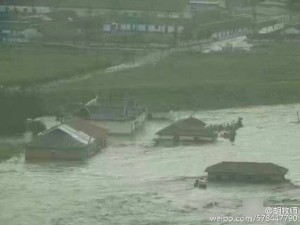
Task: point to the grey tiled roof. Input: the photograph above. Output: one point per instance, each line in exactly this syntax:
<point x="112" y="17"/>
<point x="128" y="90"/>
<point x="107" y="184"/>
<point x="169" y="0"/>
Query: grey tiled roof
<point x="247" y="168"/>
<point x="186" y="127"/>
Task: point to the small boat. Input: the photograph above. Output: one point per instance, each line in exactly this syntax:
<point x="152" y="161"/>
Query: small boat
<point x="201" y="183"/>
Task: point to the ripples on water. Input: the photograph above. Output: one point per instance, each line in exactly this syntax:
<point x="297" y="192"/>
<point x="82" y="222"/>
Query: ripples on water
<point x="132" y="182"/>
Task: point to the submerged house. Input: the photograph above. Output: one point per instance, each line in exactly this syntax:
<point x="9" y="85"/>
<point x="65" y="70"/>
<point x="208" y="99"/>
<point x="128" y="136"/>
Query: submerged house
<point x="62" y="142"/>
<point x="191" y="130"/>
<point x="117" y="119"/>
<point x="97" y="132"/>
<point x="246" y="172"/>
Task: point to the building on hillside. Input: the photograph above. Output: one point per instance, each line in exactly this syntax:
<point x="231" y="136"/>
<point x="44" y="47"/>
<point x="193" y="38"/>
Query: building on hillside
<point x="237" y="3"/>
<point x="135" y="8"/>
<point x="246" y="172"/>
<point x="190" y="130"/>
<point x="24" y="6"/>
<point x="146" y="25"/>
<point x="230" y="28"/>
<point x="205" y="5"/>
<point x="16" y="31"/>
<point x="61" y="142"/>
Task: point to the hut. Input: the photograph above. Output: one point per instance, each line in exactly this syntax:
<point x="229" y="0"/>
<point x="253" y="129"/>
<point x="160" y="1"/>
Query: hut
<point x="190" y="130"/>
<point x="61" y="142"/>
<point x="249" y="172"/>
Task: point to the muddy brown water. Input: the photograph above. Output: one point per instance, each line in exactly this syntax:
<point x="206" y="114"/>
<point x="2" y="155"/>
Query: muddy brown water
<point x="133" y="182"/>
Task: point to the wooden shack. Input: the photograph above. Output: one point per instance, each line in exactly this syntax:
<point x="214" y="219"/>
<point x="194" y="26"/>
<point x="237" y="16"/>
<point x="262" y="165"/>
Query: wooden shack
<point x="61" y="142"/>
<point x="189" y="130"/>
<point x="250" y="172"/>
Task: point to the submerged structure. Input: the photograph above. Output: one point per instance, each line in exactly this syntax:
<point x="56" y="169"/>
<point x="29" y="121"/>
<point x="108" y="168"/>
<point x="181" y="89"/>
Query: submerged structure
<point x="249" y="172"/>
<point x="118" y="119"/>
<point x="190" y="130"/>
<point x="62" y="142"/>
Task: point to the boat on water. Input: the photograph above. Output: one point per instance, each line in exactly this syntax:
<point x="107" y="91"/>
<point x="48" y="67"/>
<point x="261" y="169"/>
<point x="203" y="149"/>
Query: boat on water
<point x="201" y="183"/>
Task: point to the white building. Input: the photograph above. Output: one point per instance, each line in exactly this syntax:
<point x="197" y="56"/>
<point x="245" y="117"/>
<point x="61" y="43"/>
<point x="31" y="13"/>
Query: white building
<point x="142" y="27"/>
<point x="130" y="8"/>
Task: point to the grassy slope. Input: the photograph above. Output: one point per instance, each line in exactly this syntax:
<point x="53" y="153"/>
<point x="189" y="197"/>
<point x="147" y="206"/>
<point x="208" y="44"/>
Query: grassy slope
<point x="164" y="5"/>
<point x="269" y="75"/>
<point x="36" y="63"/>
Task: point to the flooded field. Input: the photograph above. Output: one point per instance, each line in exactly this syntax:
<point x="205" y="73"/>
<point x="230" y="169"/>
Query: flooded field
<point x="133" y="182"/>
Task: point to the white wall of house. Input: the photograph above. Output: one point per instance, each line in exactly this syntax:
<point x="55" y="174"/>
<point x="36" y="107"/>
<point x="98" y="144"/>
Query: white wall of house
<point x="106" y="27"/>
<point x="141" y="27"/>
<point x="25" y="9"/>
<point x="125" y="27"/>
<point x="228" y="33"/>
<point x="122" y="127"/>
<point x="81" y="12"/>
<point x="151" y="28"/>
<point x="90" y="11"/>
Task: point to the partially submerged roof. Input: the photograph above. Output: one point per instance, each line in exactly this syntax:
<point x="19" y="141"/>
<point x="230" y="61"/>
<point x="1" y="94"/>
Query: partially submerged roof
<point x="185" y="127"/>
<point x="247" y="168"/>
<point x="89" y="128"/>
<point x="62" y="136"/>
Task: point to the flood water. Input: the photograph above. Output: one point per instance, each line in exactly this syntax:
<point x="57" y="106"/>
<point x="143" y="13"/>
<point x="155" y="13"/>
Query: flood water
<point x="133" y="182"/>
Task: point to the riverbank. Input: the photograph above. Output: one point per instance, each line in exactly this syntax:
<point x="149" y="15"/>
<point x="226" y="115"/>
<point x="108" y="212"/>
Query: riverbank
<point x="268" y="74"/>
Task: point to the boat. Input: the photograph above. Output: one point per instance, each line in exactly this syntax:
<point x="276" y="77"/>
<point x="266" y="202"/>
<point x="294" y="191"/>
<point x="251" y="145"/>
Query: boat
<point x="201" y="183"/>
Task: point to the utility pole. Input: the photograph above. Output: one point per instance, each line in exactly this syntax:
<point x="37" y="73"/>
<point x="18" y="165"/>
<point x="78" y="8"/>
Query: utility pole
<point x="253" y="2"/>
<point x="132" y="47"/>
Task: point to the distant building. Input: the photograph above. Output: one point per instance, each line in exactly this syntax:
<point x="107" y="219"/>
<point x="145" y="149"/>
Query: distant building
<point x="237" y="3"/>
<point x="246" y="172"/>
<point x="61" y="142"/>
<point x="24" y="6"/>
<point x="205" y="5"/>
<point x="191" y="130"/>
<point x="17" y="31"/>
<point x="134" y="25"/>
<point x="136" y="8"/>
